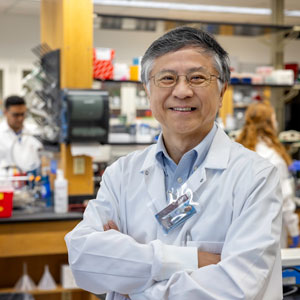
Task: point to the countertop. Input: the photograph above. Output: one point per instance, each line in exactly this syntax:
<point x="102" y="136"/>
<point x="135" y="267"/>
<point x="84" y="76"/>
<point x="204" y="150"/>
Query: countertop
<point x="44" y="215"/>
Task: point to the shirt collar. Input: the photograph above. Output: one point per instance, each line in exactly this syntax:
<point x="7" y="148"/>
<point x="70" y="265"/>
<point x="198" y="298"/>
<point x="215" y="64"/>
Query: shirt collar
<point x="199" y="151"/>
<point x="217" y="156"/>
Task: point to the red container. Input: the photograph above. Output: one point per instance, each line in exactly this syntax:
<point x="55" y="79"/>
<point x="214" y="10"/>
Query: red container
<point x="294" y="67"/>
<point x="6" y="203"/>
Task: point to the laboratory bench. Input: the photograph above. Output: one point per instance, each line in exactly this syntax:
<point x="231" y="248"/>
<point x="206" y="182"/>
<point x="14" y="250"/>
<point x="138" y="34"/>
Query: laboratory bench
<point x="37" y="239"/>
<point x="41" y="216"/>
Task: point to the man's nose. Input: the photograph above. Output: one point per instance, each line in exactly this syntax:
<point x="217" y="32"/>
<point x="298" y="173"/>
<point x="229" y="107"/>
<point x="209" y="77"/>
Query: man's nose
<point x="182" y="89"/>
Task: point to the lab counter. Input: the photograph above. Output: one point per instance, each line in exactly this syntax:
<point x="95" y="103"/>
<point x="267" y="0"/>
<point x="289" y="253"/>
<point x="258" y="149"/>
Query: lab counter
<point x="37" y="239"/>
<point x="42" y="216"/>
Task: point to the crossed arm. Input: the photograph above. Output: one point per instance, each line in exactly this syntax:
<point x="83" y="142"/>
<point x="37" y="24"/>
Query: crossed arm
<point x="204" y="258"/>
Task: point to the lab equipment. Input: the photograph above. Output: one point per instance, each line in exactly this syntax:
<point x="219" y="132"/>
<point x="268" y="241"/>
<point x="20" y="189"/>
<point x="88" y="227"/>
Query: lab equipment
<point x="25" y="283"/>
<point x="290" y="258"/>
<point x="61" y="200"/>
<point x="67" y="278"/>
<point x="6" y="196"/>
<point x="47" y="282"/>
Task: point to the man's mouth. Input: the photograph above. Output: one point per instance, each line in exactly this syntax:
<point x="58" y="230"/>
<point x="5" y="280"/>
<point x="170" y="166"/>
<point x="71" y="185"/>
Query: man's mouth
<point x="184" y="109"/>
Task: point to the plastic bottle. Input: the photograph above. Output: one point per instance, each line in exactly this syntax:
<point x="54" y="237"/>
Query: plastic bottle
<point x="61" y="200"/>
<point x="46" y="190"/>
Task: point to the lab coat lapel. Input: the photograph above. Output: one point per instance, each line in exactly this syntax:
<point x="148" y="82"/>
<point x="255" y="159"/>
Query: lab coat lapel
<point x="196" y="179"/>
<point x="154" y="180"/>
<point x="217" y="159"/>
<point x="155" y="184"/>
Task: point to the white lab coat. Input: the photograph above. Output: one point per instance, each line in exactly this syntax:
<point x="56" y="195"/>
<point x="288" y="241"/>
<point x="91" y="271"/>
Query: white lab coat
<point x="22" y="153"/>
<point x="290" y="221"/>
<point x="238" y="215"/>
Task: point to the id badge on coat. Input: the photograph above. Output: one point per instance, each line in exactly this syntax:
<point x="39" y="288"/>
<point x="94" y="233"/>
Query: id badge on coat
<point x="176" y="213"/>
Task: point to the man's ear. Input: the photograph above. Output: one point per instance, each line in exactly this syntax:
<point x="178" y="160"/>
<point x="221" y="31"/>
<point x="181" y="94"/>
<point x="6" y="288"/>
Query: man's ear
<point x="147" y="91"/>
<point x="224" y="88"/>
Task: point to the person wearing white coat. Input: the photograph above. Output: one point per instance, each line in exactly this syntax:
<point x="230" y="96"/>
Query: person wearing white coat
<point x="290" y="224"/>
<point x="229" y="248"/>
<point x="18" y="147"/>
<point x="260" y="134"/>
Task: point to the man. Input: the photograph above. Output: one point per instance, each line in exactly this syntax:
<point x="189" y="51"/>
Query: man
<point x="18" y="148"/>
<point x="224" y="242"/>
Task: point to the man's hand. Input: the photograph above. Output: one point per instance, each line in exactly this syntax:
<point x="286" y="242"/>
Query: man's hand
<point x="206" y="258"/>
<point x="110" y="225"/>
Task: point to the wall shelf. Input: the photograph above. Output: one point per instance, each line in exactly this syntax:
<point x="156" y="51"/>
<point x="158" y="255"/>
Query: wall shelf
<point x="226" y="28"/>
<point x="296" y="86"/>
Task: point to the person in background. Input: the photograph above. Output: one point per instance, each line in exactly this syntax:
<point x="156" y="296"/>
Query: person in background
<point x="18" y="148"/>
<point x="195" y="216"/>
<point x="259" y="134"/>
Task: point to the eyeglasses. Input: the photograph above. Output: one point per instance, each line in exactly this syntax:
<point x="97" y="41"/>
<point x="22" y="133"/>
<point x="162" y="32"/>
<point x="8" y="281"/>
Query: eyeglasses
<point x="17" y="115"/>
<point x="167" y="79"/>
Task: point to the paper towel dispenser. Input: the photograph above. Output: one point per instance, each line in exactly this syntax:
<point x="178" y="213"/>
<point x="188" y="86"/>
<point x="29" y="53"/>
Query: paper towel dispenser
<point x="84" y="116"/>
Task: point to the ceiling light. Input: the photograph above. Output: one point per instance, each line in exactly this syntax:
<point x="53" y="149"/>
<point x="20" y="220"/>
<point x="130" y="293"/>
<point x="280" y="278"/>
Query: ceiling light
<point x="193" y="7"/>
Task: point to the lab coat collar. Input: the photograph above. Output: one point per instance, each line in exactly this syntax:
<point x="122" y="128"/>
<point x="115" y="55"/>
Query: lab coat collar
<point x="4" y="127"/>
<point x="217" y="157"/>
<point x="219" y="152"/>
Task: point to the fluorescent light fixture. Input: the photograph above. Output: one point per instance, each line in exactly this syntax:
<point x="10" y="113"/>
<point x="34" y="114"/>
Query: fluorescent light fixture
<point x="292" y="13"/>
<point x="193" y="7"/>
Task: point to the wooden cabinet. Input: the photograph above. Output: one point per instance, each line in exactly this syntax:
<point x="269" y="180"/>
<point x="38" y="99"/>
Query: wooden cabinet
<point x="36" y="243"/>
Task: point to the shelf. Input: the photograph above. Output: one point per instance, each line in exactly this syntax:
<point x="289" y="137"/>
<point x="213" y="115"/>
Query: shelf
<point x="213" y="27"/>
<point x="297" y="86"/>
<point x="58" y="290"/>
<point x="143" y="107"/>
<point x="111" y="107"/>
<point x="241" y="105"/>
<point x="118" y="81"/>
<point x="263" y="85"/>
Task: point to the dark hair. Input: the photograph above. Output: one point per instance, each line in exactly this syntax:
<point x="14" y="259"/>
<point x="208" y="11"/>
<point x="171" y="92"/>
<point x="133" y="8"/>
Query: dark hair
<point x="181" y="37"/>
<point x="13" y="100"/>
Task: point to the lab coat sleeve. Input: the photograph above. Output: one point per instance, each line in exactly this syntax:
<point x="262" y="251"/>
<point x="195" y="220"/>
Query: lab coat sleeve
<point x="106" y="261"/>
<point x="290" y="218"/>
<point x="249" y="252"/>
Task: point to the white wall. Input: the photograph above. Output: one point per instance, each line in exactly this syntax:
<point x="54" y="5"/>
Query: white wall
<point x="19" y="34"/>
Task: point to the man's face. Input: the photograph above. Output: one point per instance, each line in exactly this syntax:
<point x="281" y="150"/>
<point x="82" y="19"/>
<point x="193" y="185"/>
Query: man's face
<point x="183" y="110"/>
<point x="15" y="116"/>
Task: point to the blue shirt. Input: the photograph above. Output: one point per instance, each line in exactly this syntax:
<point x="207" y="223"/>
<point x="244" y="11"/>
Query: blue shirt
<point x="177" y="175"/>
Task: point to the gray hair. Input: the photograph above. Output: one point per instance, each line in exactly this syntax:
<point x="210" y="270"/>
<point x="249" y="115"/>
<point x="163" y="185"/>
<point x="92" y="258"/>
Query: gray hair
<point x="185" y="36"/>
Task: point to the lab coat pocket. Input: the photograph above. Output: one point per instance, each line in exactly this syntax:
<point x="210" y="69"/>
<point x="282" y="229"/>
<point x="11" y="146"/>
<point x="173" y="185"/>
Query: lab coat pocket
<point x="212" y="247"/>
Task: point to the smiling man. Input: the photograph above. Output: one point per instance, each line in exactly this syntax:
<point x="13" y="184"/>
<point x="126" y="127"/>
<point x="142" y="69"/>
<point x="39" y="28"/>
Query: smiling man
<point x="195" y="216"/>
